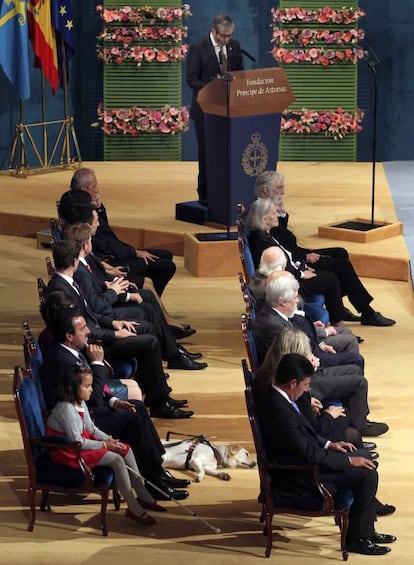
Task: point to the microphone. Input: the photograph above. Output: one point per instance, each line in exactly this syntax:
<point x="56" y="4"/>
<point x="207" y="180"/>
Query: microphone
<point x="248" y="55"/>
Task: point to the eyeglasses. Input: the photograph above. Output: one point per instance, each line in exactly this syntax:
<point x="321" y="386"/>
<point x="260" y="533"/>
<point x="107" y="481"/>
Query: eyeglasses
<point x="224" y="35"/>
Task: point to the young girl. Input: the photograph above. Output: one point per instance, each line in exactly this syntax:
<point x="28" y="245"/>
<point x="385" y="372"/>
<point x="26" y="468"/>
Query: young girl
<point x="71" y="418"/>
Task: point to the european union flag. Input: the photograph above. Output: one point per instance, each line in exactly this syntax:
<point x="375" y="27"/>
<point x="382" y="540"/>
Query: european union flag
<point x="14" y="45"/>
<point x="63" y="23"/>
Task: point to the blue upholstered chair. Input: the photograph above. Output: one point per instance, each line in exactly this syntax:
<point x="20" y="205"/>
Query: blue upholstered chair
<point x="274" y="502"/>
<point x="43" y="473"/>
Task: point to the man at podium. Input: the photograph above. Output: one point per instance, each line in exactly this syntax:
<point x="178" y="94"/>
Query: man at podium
<point x="213" y="56"/>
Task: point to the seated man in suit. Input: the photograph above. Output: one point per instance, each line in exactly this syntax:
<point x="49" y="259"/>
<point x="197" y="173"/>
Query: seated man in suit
<point x="270" y="185"/>
<point x="121" y="339"/>
<point x="332" y="380"/>
<point x="103" y="301"/>
<point x="290" y="439"/>
<point x="272" y="261"/>
<point x="155" y="264"/>
<point x="77" y="206"/>
<point x="128" y="421"/>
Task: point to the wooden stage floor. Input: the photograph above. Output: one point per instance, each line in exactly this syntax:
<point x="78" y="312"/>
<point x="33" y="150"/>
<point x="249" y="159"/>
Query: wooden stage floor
<point x="140" y="198"/>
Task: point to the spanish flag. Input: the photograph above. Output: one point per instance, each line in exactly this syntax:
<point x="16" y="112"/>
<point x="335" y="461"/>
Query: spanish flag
<point x="42" y="35"/>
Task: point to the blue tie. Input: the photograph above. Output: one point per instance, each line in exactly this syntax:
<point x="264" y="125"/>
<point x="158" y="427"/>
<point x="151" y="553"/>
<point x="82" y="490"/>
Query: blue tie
<point x="295" y="406"/>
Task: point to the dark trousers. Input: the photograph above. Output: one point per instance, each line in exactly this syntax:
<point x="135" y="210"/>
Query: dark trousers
<point x="136" y="429"/>
<point x="151" y="311"/>
<point x="159" y="271"/>
<point x="349" y="281"/>
<point x="363" y="483"/>
<point x="146" y="349"/>
<point x="345" y="383"/>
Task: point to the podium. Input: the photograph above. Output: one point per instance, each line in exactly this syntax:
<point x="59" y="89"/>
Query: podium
<point x="242" y="126"/>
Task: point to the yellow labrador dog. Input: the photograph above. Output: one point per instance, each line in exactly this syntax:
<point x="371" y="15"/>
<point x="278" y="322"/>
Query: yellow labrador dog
<point x="205" y="458"/>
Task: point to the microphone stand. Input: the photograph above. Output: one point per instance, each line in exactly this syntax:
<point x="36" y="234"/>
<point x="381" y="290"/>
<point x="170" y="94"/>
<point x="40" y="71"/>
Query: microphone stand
<point x="228" y="78"/>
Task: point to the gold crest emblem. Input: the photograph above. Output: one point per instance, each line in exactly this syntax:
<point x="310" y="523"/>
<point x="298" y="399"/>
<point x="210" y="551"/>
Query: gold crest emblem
<point x="255" y="157"/>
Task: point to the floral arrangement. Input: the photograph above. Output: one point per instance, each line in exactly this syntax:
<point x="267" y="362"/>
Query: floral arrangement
<point x="333" y="123"/>
<point x="310" y="36"/>
<point x="137" y="15"/>
<point x="127" y="35"/>
<point x="132" y="121"/>
<point x="318" y="55"/>
<point x="141" y="53"/>
<point x="324" y="15"/>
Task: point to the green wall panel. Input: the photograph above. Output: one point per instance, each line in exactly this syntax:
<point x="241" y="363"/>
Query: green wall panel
<point x="320" y="88"/>
<point x="152" y="85"/>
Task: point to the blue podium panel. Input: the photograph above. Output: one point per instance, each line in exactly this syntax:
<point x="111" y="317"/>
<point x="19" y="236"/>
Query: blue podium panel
<point x="250" y="145"/>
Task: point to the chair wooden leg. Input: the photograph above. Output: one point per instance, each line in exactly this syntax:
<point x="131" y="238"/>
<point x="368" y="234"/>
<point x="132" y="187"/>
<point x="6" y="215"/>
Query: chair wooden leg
<point x="268" y="528"/>
<point x="32" y="504"/>
<point x="344" y="523"/>
<point x="116" y="498"/>
<point x="104" y="504"/>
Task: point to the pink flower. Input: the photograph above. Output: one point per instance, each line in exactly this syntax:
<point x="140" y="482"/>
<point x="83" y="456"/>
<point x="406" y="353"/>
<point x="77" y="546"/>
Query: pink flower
<point x="149" y="54"/>
<point x="162" y="57"/>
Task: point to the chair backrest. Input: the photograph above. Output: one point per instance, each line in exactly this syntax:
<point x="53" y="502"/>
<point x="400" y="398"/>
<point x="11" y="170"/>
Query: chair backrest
<point x="33" y="359"/>
<point x="42" y="290"/>
<point x="55" y="230"/>
<point x="243" y="243"/>
<point x="249" y="342"/>
<point x="248" y="298"/>
<point x="248" y="374"/>
<point x="49" y="267"/>
<point x="28" y="411"/>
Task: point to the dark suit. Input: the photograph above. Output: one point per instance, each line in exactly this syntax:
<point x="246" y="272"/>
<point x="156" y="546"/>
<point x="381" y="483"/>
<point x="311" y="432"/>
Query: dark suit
<point x="147" y="315"/>
<point x="326" y="282"/>
<point x="335" y="260"/>
<point x="106" y="242"/>
<point x="202" y="67"/>
<point x="341" y="382"/>
<point x="145" y="348"/>
<point x="135" y="428"/>
<point x="289" y="438"/>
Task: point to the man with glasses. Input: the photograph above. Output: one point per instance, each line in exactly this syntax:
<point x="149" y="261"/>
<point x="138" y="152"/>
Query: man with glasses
<point x="213" y="56"/>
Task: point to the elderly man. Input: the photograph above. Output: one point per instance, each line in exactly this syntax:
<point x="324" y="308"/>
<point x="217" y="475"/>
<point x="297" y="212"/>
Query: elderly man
<point x="156" y="264"/>
<point x="211" y="57"/>
<point x="332" y="380"/>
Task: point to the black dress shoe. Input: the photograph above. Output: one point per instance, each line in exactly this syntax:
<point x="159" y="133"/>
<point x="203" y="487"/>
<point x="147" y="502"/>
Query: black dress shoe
<point x="384" y="509"/>
<point x="373" y="455"/>
<point x="167" y="410"/>
<point x="178" y="403"/>
<point x="174" y="482"/>
<point x="366" y="547"/>
<point x="369" y="445"/>
<point x="382" y="538"/>
<point x="376" y="319"/>
<point x="181" y="361"/>
<point x="360" y="339"/>
<point x="350" y="317"/>
<point x="170" y="493"/>
<point x="181" y="332"/>
<point x="192" y="356"/>
<point x="374" y="429"/>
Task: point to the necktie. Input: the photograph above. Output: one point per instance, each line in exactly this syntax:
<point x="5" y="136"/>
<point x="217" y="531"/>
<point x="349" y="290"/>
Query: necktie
<point x="84" y="363"/>
<point x="295" y="406"/>
<point x="88" y="267"/>
<point x="223" y="60"/>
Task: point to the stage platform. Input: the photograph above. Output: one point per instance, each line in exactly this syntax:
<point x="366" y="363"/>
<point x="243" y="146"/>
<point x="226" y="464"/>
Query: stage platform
<point x="140" y="198"/>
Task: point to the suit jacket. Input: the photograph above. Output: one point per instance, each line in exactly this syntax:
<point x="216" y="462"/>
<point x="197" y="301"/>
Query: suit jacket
<point x="99" y="326"/>
<point x="106" y="242"/>
<point x="57" y="359"/>
<point x="266" y="326"/>
<point x="203" y="65"/>
<point x="290" y="439"/>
